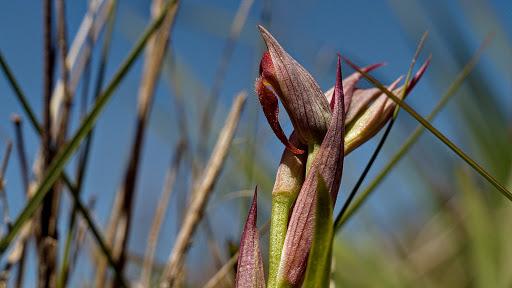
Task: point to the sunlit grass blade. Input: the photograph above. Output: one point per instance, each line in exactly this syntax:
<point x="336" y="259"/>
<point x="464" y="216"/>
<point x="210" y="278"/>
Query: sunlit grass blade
<point x="434" y="131"/>
<point x="415" y="135"/>
<point x="21" y="97"/>
<point x="57" y="165"/>
<point x="319" y="262"/>
<point x="337" y="222"/>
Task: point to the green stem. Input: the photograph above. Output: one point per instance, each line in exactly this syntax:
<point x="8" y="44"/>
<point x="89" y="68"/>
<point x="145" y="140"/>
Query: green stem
<point x="281" y="204"/>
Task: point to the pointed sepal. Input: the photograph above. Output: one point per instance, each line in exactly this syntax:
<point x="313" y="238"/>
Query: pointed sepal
<point x="299" y="93"/>
<point x="250" y="267"/>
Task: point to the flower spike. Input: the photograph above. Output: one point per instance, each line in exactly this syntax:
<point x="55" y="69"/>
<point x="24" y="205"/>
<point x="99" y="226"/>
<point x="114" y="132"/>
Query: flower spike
<point x="250" y="267"/>
<point x="329" y="163"/>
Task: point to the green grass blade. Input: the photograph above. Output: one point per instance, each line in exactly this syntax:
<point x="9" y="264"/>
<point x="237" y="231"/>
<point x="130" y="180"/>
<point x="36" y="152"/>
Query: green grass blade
<point x="415" y="135"/>
<point x="434" y="131"/>
<point x="337" y="222"/>
<point x="19" y="94"/>
<point x="57" y="165"/>
<point x="78" y="205"/>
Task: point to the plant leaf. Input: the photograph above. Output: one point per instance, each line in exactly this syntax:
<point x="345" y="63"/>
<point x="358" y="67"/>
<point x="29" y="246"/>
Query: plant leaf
<point x="250" y="267"/>
<point x="319" y="263"/>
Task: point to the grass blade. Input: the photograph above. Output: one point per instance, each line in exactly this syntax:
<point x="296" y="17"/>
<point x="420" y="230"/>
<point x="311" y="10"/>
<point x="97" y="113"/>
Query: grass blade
<point x="415" y="135"/>
<point x="434" y="131"/>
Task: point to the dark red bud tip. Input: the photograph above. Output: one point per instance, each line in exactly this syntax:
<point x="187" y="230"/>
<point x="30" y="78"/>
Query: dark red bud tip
<point x="270" y="105"/>
<point x="418" y="75"/>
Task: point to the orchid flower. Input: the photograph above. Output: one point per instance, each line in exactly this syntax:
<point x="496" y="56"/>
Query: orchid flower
<point x="328" y="126"/>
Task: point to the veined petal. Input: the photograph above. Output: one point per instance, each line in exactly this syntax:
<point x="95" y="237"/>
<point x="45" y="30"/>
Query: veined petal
<point x="250" y="267"/>
<point x="361" y="99"/>
<point x="301" y="96"/>
<point x="369" y="122"/>
<point x="329" y="163"/>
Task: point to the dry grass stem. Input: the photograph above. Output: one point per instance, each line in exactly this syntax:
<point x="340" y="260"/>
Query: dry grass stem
<point x="80" y="51"/>
<point x="160" y="212"/>
<point x="155" y="51"/>
<point x="20" y="146"/>
<point x="220" y="74"/>
<point x="47" y="243"/>
<point x="62" y="41"/>
<point x="101" y="262"/>
<point x="198" y="203"/>
<point x="228" y="279"/>
<point x="222" y="273"/>
<point x="5" y="161"/>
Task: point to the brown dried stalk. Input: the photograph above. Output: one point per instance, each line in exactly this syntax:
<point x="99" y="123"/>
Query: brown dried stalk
<point x="198" y="203"/>
<point x="220" y="74"/>
<point x="5" y="161"/>
<point x="48" y="243"/>
<point x="155" y="51"/>
<point x="20" y="146"/>
<point x="62" y="41"/>
<point x="160" y="212"/>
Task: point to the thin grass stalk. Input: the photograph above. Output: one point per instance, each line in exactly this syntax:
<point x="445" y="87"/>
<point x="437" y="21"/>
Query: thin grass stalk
<point x="228" y="280"/>
<point x="3" y="194"/>
<point x="155" y="50"/>
<point x="99" y="239"/>
<point x="20" y="146"/>
<point x="67" y="268"/>
<point x="47" y="244"/>
<point x="16" y="253"/>
<point x="62" y="41"/>
<point x="84" y="152"/>
<point x="20" y="95"/>
<point x="161" y="209"/>
<point x="220" y="73"/>
<point x="415" y="135"/>
<point x="201" y="195"/>
<point x="381" y="142"/>
<point x="79" y="53"/>
<point x="101" y="262"/>
<point x="180" y="110"/>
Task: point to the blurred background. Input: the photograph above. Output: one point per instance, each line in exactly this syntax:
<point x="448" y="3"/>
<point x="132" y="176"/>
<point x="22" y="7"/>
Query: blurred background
<point x="431" y="222"/>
